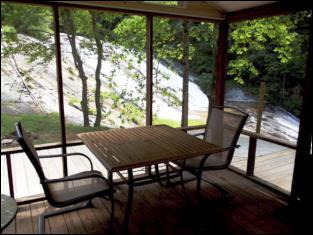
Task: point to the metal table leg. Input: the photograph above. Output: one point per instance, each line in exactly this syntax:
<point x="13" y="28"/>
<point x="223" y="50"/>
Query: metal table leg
<point x="110" y="177"/>
<point x="129" y="202"/>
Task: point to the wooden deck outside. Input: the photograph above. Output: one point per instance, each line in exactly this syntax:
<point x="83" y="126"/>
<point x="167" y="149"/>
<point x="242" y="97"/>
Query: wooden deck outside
<point x="275" y="168"/>
<point x="167" y="210"/>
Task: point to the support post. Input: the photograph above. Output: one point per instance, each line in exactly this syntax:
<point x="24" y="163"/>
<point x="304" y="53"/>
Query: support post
<point x="251" y="156"/>
<point x="302" y="173"/>
<point x="60" y="84"/>
<point x="10" y="174"/>
<point x="253" y="141"/>
<point x="260" y="107"/>
<point x="149" y="74"/>
<point x="149" y="83"/>
<point x="185" y="106"/>
<point x="221" y="64"/>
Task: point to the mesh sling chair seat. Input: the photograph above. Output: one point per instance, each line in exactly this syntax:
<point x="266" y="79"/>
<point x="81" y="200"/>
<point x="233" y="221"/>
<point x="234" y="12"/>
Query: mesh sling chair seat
<point x="69" y="190"/>
<point x="223" y="128"/>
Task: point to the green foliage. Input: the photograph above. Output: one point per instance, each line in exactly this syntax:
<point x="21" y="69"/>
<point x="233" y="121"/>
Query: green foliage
<point x="30" y="21"/>
<point x="47" y="126"/>
<point x="37" y="123"/>
<point x="131" y="33"/>
<point x="24" y="19"/>
<point x="92" y="111"/>
<point x="131" y="114"/>
<point x="70" y="70"/>
<point x="73" y="100"/>
<point x="202" y="65"/>
<point x="129" y="109"/>
<point x="270" y="50"/>
<point x="173" y="123"/>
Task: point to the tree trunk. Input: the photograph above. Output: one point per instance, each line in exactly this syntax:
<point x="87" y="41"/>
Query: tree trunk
<point x="71" y="35"/>
<point x="79" y="66"/>
<point x="184" y="120"/>
<point x="98" y="100"/>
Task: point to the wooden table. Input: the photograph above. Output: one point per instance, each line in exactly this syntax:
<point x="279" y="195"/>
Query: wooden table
<point x="125" y="149"/>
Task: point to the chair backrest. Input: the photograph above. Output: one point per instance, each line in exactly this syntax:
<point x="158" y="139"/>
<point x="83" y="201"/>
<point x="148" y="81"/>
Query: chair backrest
<point x="29" y="149"/>
<point x="223" y="128"/>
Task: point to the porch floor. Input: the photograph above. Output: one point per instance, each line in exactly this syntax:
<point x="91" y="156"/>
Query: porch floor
<point x="161" y="209"/>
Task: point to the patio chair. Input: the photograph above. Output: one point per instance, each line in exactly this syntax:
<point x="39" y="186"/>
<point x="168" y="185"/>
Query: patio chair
<point x="223" y="128"/>
<point x="69" y="190"/>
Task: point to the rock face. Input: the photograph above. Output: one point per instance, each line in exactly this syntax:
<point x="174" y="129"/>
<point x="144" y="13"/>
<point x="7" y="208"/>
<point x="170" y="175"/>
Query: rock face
<point x="237" y="95"/>
<point x="42" y="80"/>
<point x="275" y="122"/>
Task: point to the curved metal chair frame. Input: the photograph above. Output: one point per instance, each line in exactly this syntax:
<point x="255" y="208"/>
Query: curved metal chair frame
<point x="74" y="188"/>
<point x="202" y="161"/>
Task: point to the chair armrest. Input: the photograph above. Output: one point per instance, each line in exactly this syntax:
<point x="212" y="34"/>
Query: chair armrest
<point x="66" y="155"/>
<point x="225" y="149"/>
<point x="202" y="133"/>
<point x="73" y="178"/>
<point x="230" y="148"/>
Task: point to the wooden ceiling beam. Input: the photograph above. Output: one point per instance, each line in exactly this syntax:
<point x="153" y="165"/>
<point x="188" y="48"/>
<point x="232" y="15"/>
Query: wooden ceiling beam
<point x="193" y="9"/>
<point x="273" y="9"/>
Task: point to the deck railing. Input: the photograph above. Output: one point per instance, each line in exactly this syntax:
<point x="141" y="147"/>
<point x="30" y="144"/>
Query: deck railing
<point x="253" y="137"/>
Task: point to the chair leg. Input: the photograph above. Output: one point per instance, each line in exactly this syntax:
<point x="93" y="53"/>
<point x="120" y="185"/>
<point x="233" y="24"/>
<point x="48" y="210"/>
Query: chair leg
<point x="148" y="170"/>
<point x="182" y="181"/>
<point x="199" y="176"/>
<point x="41" y="224"/>
<point x="157" y="174"/>
<point x="168" y="181"/>
<point x="42" y="217"/>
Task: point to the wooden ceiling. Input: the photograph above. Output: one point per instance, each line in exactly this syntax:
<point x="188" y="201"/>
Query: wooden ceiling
<point x="210" y="11"/>
<point x="232" y="6"/>
<point x="214" y="10"/>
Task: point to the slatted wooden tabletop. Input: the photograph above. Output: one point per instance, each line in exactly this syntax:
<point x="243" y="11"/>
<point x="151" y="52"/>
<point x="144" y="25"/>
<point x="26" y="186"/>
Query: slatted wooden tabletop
<point x="121" y="149"/>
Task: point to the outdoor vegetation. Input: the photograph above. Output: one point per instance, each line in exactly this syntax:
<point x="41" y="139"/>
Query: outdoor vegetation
<point x="272" y="49"/>
<point x="45" y="126"/>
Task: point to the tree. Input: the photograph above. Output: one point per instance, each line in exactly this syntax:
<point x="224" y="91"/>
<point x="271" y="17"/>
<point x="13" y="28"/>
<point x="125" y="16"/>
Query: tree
<point x="27" y="23"/>
<point x="131" y="32"/>
<point x="19" y="36"/>
<point x="99" y="44"/>
<point x="95" y="28"/>
<point x="131" y="35"/>
<point x="203" y="38"/>
<point x="102" y="25"/>
<point x="71" y="31"/>
<point x="270" y="49"/>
